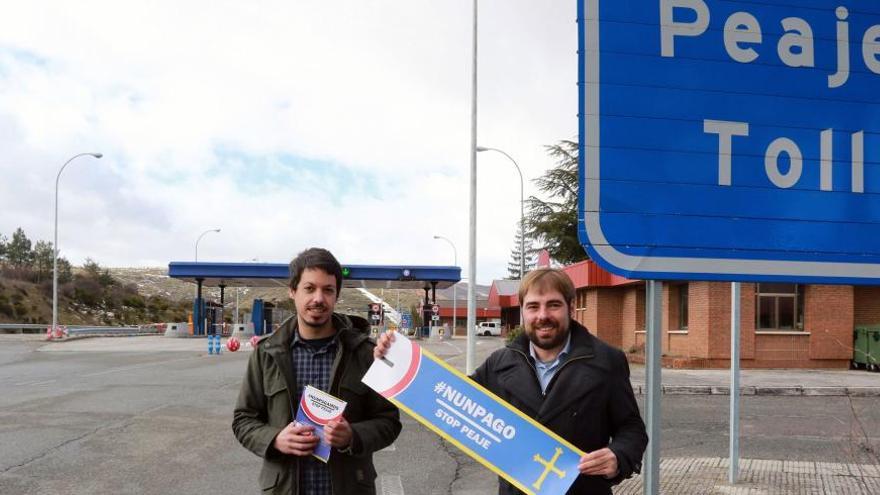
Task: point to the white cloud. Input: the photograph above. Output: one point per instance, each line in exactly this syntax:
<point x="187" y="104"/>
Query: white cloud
<point x="192" y="102"/>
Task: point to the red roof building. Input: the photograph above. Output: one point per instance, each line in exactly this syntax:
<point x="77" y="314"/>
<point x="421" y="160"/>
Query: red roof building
<point x="782" y="325"/>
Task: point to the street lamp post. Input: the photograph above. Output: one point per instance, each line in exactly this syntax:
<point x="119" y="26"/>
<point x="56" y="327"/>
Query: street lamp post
<point x="55" y="250"/>
<point x="522" y="230"/>
<point x="471" y="355"/>
<point x="200" y="238"/>
<point x="454" y="298"/>
<point x="198" y="315"/>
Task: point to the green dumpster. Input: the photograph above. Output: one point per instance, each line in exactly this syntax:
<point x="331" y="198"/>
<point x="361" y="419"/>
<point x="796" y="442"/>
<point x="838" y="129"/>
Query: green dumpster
<point x="860" y="347"/>
<point x="872" y="336"/>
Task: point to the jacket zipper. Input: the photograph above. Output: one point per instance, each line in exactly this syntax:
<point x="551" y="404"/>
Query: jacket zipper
<point x="334" y="381"/>
<point x="543" y="393"/>
<point x="553" y="380"/>
<point x="296" y="466"/>
<point x="534" y="369"/>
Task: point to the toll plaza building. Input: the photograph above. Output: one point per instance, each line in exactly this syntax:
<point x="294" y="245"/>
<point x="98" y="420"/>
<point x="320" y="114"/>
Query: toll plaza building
<point x="782" y="325"/>
<point x="455" y="315"/>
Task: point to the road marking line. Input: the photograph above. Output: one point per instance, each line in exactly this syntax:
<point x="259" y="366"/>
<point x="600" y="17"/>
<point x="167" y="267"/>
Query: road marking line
<point x="135" y="367"/>
<point x="391" y="485"/>
<point x="390" y="448"/>
<point x="450" y="344"/>
<point x="25" y="384"/>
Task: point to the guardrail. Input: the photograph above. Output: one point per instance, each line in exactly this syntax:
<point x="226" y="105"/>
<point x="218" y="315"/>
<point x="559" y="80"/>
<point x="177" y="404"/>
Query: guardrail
<point x="83" y="329"/>
<point x="113" y="331"/>
<point x="22" y="326"/>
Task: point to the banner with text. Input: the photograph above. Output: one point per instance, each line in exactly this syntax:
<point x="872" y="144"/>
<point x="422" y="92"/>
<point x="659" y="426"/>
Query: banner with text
<point x="494" y="433"/>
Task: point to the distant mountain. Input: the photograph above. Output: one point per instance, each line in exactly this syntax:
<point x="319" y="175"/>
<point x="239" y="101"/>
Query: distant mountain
<point x="85" y="300"/>
<point x="148" y="295"/>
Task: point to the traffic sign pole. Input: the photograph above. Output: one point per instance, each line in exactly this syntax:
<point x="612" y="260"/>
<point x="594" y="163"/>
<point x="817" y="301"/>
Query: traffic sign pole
<point x="735" y="290"/>
<point x="654" y="322"/>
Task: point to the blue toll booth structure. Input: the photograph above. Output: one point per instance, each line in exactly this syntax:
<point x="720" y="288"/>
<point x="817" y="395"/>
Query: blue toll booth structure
<point x="213" y="320"/>
<point x="198" y="315"/>
<point x="223" y="275"/>
<point x="207" y="317"/>
<point x="262" y="317"/>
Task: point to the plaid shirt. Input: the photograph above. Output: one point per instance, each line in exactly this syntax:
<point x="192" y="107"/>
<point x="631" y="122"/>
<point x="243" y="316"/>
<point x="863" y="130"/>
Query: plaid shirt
<point x="312" y="367"/>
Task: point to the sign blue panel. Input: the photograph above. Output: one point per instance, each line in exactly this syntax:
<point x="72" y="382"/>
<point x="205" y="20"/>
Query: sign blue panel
<point x="406" y="319"/>
<point x="731" y="140"/>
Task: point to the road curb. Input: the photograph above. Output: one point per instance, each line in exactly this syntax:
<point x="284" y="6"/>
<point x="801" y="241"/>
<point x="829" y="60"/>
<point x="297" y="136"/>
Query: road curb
<point x="863" y="391"/>
<point x="687" y="390"/>
<point x="825" y="391"/>
<point x="784" y="391"/>
<point x="793" y="391"/>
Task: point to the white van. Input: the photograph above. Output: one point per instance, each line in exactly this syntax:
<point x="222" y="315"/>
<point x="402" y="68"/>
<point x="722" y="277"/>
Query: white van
<point x="489" y="328"/>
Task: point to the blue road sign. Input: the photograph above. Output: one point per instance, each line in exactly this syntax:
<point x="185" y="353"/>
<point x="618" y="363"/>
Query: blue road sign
<point x="731" y="140"/>
<point x="406" y="319"/>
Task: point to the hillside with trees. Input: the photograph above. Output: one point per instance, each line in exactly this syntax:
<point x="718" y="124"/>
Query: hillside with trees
<point x="86" y="295"/>
<point x="96" y="295"/>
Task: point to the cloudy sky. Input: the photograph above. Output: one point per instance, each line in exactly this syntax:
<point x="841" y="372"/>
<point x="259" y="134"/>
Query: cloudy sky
<point x="288" y="124"/>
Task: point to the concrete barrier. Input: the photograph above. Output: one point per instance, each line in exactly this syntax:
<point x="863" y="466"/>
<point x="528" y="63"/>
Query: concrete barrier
<point x="177" y="329"/>
<point x="439" y="334"/>
<point x="243" y="331"/>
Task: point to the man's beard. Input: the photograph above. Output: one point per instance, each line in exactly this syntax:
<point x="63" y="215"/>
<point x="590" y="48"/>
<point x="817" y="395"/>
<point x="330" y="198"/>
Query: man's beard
<point x="559" y="335"/>
<point x="316" y="321"/>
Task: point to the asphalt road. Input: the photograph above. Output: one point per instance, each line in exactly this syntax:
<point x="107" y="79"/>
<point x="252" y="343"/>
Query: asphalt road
<point x="93" y="417"/>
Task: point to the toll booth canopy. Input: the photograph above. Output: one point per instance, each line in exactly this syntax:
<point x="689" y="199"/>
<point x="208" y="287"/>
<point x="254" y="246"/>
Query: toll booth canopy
<point x="223" y="275"/>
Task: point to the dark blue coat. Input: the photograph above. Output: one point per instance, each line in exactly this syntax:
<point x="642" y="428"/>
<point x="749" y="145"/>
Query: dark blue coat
<point x="589" y="402"/>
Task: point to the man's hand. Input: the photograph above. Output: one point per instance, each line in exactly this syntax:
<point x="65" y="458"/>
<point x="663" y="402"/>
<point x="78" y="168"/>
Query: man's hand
<point x="338" y="433"/>
<point x="601" y="462"/>
<point x="296" y="440"/>
<point x="383" y="344"/>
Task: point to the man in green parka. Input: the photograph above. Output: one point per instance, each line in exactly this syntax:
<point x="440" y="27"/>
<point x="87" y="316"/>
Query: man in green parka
<point x="328" y="351"/>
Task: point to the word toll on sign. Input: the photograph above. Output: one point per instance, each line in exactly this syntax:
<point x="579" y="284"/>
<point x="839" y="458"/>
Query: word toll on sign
<point x="726" y="130"/>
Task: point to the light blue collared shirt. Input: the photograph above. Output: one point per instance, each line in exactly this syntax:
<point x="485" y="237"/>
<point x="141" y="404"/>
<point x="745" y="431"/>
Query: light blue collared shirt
<point x="546" y="371"/>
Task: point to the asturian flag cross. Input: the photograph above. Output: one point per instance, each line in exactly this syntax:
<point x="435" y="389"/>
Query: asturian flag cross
<point x="548" y="467"/>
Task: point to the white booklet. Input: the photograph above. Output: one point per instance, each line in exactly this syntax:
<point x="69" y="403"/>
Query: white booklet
<point x="317" y="408"/>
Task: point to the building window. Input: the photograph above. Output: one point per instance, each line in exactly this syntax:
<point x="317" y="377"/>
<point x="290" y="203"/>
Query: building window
<point x="779" y="307"/>
<point x="683" y="306"/>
